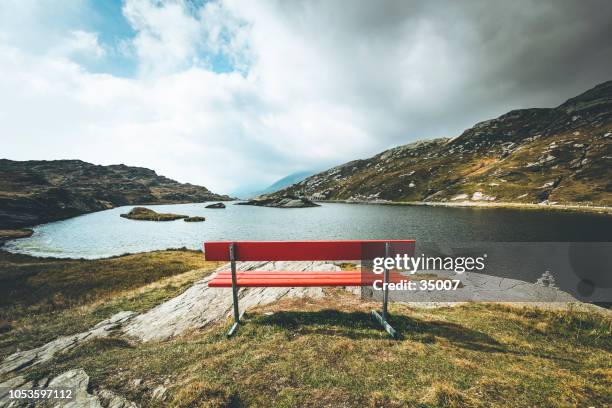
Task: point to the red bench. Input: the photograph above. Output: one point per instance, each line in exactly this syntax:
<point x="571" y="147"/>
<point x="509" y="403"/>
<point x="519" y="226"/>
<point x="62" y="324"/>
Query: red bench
<point x="303" y="251"/>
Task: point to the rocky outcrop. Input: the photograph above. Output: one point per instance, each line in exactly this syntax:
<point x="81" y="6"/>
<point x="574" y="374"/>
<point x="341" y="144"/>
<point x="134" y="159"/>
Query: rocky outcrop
<point x="200" y="305"/>
<point x="146" y="214"/>
<point x="283" y="201"/>
<point x="75" y="380"/>
<point x="6" y="235"/>
<point x="216" y="205"/>
<point x="34" y="192"/>
<point x="553" y="155"/>
<point x="195" y="308"/>
<point x="78" y="381"/>
<point x="195" y="219"/>
<point x="24" y="359"/>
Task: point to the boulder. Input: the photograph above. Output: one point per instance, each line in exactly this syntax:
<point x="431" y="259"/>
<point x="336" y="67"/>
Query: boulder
<point x="216" y="205"/>
<point x="194" y="219"/>
<point x="28" y="358"/>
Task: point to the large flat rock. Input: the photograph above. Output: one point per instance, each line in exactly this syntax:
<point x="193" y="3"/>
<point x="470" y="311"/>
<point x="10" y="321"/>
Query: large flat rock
<point x="201" y="305"/>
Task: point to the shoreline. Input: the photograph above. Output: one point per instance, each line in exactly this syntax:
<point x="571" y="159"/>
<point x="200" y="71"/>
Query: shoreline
<point x="585" y="209"/>
<point x="12" y="234"/>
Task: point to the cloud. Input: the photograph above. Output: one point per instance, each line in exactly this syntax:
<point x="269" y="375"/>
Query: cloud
<point x="231" y="94"/>
<point x="80" y="44"/>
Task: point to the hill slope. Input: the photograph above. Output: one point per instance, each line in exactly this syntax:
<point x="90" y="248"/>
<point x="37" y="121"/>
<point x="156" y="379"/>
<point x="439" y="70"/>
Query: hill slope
<point x="561" y="154"/>
<point x="34" y="192"/>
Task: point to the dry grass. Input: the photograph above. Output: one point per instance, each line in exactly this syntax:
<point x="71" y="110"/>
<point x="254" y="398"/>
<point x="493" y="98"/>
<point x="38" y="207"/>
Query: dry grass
<point x="328" y="352"/>
<point x="43" y="298"/>
<point x="324" y="352"/>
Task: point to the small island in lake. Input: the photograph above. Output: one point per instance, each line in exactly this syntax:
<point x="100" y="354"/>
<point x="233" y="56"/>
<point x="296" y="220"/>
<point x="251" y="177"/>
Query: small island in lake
<point x="194" y="219"/>
<point x="286" y="201"/>
<point x="216" y="205"/>
<point x="146" y="214"/>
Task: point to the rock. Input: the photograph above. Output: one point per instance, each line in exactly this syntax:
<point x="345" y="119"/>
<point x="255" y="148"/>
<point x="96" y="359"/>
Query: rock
<point x="78" y="381"/>
<point x="12" y="383"/>
<point x="111" y="400"/>
<point x="287" y="201"/>
<point x="547" y="280"/>
<point x="200" y="305"/>
<point x="459" y="197"/>
<point x="159" y="393"/>
<point x="194" y="219"/>
<point x="480" y="196"/>
<point x="6" y="235"/>
<point x="216" y="205"/>
<point x="23" y="359"/>
<point x="146" y="214"/>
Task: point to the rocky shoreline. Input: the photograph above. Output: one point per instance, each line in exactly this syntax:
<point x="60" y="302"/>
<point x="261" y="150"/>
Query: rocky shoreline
<point x="580" y="208"/>
<point x="7" y="235"/>
<point x="287" y="201"/>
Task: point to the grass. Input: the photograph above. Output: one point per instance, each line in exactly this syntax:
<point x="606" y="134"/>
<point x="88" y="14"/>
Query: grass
<point x="312" y="352"/>
<point x="329" y="352"/>
<point x="43" y="298"/>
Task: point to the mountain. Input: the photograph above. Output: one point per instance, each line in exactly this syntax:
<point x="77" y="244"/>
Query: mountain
<point x="277" y="185"/>
<point x="34" y="192"/>
<point x="284" y="182"/>
<point x="561" y="154"/>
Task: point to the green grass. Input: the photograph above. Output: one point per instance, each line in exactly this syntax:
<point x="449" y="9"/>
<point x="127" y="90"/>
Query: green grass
<point x="329" y="352"/>
<point x="43" y="298"/>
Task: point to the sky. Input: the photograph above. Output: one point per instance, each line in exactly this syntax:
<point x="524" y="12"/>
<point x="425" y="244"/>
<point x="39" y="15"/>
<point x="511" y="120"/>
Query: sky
<point x="234" y="95"/>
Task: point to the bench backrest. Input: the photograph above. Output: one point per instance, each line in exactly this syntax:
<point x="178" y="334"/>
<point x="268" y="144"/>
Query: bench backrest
<point x="305" y="250"/>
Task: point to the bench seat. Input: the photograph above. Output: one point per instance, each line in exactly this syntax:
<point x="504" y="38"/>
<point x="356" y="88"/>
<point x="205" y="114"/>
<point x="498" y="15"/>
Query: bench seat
<point x="223" y="279"/>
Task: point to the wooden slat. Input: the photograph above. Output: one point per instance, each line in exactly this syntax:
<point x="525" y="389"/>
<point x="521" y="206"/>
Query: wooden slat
<point x="292" y="273"/>
<point x="305" y="250"/>
<point x="293" y="279"/>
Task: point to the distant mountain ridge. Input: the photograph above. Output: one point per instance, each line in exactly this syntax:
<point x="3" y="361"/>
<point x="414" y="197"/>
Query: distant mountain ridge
<point x="39" y="191"/>
<point x="282" y="183"/>
<point x="542" y="155"/>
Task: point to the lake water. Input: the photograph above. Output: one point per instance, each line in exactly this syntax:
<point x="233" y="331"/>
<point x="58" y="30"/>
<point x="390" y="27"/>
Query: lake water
<point x="104" y="233"/>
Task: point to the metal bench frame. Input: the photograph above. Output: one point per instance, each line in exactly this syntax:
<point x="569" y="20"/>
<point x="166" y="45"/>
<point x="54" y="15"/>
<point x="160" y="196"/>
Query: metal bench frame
<point x="381" y="318"/>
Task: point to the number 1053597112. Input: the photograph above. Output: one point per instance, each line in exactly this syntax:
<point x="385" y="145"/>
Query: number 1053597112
<point x="38" y="394"/>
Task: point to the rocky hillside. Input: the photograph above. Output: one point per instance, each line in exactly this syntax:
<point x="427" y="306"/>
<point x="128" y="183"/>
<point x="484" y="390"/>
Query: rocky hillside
<point x="34" y="192"/>
<point x="561" y="154"/>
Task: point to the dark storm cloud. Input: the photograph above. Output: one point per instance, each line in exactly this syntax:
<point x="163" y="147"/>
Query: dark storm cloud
<point x="473" y="59"/>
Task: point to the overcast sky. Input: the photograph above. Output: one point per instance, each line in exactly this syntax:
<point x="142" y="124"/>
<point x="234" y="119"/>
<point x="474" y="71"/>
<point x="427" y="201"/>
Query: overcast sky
<point x="236" y="94"/>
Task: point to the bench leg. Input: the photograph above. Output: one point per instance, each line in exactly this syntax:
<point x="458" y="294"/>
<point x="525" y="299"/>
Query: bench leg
<point x="231" y="331"/>
<point x="234" y="292"/>
<point x="385" y="324"/>
<point x="382" y="318"/>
